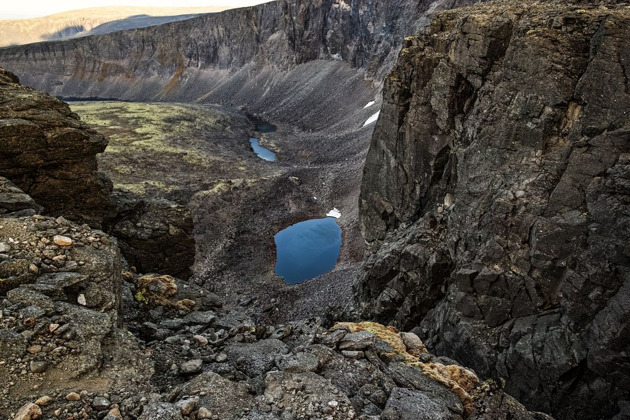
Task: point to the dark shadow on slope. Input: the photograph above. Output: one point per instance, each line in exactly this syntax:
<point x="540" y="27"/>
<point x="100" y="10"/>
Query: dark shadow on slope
<point x="67" y="32"/>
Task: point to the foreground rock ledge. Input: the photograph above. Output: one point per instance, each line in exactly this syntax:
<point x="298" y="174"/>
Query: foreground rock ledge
<point x="81" y="338"/>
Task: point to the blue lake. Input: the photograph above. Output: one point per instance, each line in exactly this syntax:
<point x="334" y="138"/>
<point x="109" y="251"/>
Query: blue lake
<point x="307" y="249"/>
<point x="261" y="152"/>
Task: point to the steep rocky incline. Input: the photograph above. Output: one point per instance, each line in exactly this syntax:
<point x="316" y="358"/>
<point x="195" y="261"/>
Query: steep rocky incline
<point x="250" y="56"/>
<point x="495" y="199"/>
<point x="50" y="154"/>
<point x="48" y="165"/>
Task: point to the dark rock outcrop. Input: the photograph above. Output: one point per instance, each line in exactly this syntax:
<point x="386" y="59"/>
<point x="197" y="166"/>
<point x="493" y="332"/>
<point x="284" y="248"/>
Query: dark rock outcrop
<point x="495" y="199"/>
<point x="46" y="151"/>
<point x="155" y="236"/>
<point x="50" y="155"/>
<point x="14" y="202"/>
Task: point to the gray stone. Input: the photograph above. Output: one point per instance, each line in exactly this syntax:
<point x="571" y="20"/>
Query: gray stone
<point x="332" y="338"/>
<point x="32" y="311"/>
<point x="172" y="324"/>
<point x="412" y="341"/>
<point x="200" y="318"/>
<point x="187" y="405"/>
<point x="162" y="411"/>
<point x="357" y="341"/>
<point x="38" y="366"/>
<point x="100" y="403"/>
<point x="234" y="319"/>
<point x="191" y="366"/>
<point x="414" y="405"/>
<point x="257" y="358"/>
<point x="12" y="344"/>
<point x="296" y="363"/>
<point x="226" y="398"/>
<point x="353" y="354"/>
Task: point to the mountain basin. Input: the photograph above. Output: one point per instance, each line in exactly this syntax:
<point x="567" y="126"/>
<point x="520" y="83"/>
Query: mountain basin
<point x="307" y="249"/>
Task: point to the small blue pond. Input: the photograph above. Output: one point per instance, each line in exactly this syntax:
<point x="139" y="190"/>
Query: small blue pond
<point x="261" y="152"/>
<point x="307" y="249"/>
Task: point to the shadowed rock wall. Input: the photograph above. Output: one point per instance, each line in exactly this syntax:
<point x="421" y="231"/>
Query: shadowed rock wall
<point x="495" y="199"/>
<point x="50" y="154"/>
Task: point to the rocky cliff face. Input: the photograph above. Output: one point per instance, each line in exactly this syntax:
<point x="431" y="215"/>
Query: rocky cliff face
<point x="495" y="199"/>
<point x="50" y="154"/>
<point x="251" y="56"/>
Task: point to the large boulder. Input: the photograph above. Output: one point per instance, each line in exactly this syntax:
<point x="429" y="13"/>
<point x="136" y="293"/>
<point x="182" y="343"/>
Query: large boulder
<point x="47" y="151"/>
<point x="495" y="195"/>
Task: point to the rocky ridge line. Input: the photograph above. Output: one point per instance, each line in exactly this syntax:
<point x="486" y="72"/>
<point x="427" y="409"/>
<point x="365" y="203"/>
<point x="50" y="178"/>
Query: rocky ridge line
<point x="251" y="56"/>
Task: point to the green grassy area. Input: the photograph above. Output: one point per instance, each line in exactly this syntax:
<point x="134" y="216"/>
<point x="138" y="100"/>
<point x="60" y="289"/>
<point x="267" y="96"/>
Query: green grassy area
<point x="163" y="147"/>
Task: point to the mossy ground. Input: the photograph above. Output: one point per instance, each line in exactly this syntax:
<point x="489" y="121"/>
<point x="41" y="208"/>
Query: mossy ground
<point x="172" y="150"/>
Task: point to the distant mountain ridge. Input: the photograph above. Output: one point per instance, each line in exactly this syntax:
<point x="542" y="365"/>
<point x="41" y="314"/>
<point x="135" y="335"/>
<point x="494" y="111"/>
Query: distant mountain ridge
<point x="93" y="21"/>
<point x="251" y="56"/>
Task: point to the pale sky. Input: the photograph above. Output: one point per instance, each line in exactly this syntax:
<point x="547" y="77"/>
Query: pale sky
<point x="20" y="9"/>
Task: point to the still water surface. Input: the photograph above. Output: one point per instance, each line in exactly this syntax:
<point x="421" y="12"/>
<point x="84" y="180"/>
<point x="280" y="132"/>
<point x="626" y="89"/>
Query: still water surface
<point x="307" y="249"/>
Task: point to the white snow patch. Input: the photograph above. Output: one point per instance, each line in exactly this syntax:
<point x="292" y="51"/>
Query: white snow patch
<point x="369" y="104"/>
<point x="372" y="119"/>
<point x="334" y="213"/>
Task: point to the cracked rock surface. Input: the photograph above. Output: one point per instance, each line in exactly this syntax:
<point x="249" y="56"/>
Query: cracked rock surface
<point x="495" y="199"/>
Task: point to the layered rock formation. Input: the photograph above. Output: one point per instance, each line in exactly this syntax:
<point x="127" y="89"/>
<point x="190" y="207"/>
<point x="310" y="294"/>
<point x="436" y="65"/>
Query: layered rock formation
<point x="50" y="154"/>
<point x="495" y="198"/>
<point x="99" y="20"/>
<point x="259" y="57"/>
<point x="48" y="165"/>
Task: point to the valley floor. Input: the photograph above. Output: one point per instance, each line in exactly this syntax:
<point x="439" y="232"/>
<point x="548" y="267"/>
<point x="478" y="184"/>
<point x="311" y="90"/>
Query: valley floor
<point x="200" y="156"/>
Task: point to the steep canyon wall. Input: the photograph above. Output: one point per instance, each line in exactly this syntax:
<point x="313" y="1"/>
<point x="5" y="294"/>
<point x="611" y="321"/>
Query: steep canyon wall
<point x="296" y="60"/>
<point x="495" y="199"/>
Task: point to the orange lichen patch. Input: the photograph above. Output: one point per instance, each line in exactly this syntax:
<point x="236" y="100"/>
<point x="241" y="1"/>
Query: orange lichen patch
<point x="458" y="379"/>
<point x="175" y="79"/>
<point x="388" y="334"/>
<point x="186" y="304"/>
<point x="157" y="284"/>
<point x="156" y="289"/>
